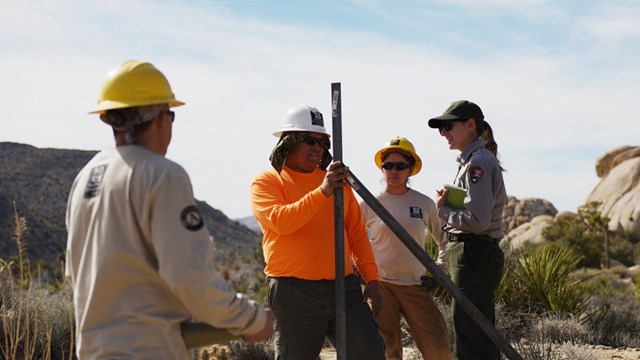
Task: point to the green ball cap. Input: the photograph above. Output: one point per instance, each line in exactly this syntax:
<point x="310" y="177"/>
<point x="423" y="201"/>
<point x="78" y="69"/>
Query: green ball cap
<point x="458" y="110"/>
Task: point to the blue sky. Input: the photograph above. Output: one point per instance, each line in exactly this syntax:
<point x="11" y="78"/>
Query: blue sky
<point x="557" y="80"/>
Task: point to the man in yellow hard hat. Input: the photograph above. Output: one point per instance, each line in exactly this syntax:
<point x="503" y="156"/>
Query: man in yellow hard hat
<point x="138" y="252"/>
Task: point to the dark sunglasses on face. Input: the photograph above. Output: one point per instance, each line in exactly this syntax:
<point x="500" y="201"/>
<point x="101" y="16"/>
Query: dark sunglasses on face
<point x="388" y="165"/>
<point x="310" y="140"/>
<point x="172" y="115"/>
<point x="447" y="125"/>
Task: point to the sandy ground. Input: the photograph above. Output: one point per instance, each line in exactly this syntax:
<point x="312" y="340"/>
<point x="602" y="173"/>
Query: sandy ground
<point x="607" y="353"/>
<point x="598" y="352"/>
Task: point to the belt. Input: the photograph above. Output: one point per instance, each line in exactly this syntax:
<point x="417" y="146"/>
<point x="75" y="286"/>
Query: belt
<point x="468" y="236"/>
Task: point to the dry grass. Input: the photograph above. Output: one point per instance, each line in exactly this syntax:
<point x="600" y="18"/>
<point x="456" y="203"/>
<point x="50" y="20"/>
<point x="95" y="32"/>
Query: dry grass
<point x="37" y="323"/>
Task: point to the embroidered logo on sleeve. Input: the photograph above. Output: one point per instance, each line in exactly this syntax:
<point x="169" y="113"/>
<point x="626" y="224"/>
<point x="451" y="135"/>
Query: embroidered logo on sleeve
<point x="95" y="180"/>
<point x="191" y="218"/>
<point x="475" y="174"/>
<point x="415" y="212"/>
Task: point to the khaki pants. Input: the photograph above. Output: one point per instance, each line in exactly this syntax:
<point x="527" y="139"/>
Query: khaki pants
<point x="427" y="326"/>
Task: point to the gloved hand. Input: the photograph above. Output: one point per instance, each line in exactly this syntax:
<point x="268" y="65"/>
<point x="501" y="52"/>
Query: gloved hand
<point x="428" y="283"/>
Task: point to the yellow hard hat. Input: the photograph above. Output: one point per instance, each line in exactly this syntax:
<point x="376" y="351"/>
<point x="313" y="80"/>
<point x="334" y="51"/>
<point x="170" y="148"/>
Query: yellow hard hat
<point x="135" y="83"/>
<point x="404" y="145"/>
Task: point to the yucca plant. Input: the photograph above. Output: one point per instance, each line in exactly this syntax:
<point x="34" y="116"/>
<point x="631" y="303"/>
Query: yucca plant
<point x="546" y="275"/>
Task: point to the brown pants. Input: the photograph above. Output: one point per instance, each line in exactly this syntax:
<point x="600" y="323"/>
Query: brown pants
<point x="427" y="326"/>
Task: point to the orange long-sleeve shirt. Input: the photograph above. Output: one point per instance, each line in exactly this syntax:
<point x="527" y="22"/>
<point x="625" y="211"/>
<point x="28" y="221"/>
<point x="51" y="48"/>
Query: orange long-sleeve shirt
<point x="297" y="221"/>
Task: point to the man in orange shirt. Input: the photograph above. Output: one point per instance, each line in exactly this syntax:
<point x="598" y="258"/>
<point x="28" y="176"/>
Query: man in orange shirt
<point x="293" y="203"/>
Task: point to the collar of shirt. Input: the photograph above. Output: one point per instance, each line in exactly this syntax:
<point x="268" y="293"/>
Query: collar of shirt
<point x="466" y="154"/>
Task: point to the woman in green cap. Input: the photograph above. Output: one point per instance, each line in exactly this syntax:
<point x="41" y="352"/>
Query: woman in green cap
<point x="476" y="261"/>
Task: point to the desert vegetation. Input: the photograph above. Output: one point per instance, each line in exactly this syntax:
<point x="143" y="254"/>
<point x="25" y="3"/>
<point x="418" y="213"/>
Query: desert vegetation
<point x="556" y="301"/>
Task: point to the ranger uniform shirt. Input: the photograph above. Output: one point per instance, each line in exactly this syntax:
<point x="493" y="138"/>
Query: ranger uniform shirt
<point x="481" y="174"/>
<point x="139" y="259"/>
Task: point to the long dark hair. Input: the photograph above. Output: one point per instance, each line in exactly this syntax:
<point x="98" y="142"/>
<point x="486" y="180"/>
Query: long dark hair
<point x="484" y="131"/>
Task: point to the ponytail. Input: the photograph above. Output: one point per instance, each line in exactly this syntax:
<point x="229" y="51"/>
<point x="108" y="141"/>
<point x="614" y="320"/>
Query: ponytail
<point x="484" y="131"/>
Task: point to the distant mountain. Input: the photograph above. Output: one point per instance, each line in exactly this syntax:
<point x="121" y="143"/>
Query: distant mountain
<point x="250" y="222"/>
<point x="38" y="181"/>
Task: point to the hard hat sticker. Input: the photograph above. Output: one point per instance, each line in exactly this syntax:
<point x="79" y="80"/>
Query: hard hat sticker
<point x="316" y="118"/>
<point x="191" y="218"/>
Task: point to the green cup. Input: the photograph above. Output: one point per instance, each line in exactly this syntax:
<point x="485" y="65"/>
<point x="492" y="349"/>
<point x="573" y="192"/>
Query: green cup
<point x="455" y="196"/>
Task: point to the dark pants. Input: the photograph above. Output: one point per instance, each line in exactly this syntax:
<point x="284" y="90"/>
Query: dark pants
<point x="476" y="267"/>
<point x="305" y="315"/>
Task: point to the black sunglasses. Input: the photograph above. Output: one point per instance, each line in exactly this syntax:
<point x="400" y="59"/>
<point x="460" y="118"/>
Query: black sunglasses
<point x="310" y="140"/>
<point x="172" y="115"/>
<point x="447" y="125"/>
<point x="388" y="165"/>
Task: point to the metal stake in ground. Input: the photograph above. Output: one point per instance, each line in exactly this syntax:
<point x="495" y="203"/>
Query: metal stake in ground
<point x="440" y="276"/>
<point x="338" y="205"/>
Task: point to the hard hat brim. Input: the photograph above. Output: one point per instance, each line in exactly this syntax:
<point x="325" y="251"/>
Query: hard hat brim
<point x="104" y="106"/>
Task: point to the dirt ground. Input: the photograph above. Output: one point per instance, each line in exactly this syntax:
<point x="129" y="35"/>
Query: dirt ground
<point x="598" y="352"/>
<point x="607" y="353"/>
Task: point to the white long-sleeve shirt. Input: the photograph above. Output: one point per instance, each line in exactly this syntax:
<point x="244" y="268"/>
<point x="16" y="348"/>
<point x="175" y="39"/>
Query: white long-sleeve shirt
<point x="139" y="260"/>
<point x="417" y="213"/>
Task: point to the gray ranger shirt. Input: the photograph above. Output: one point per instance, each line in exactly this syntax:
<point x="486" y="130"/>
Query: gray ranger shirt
<point x="481" y="174"/>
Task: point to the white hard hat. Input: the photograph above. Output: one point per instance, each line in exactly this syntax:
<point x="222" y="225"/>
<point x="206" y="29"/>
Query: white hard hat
<point x="302" y="118"/>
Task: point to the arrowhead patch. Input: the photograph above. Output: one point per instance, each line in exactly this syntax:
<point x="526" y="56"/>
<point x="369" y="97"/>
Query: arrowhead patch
<point x="475" y="174"/>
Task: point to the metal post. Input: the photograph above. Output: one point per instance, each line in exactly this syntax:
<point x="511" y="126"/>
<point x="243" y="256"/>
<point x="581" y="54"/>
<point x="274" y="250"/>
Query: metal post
<point x="438" y="274"/>
<point x="338" y="204"/>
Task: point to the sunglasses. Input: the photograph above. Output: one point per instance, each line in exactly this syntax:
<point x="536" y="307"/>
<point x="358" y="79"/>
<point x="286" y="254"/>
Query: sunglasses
<point x="447" y="125"/>
<point x="310" y="140"/>
<point x="400" y="166"/>
<point x="172" y="115"/>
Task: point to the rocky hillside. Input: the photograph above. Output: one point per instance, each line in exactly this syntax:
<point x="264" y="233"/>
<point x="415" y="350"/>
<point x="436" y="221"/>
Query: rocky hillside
<point x="37" y="181"/>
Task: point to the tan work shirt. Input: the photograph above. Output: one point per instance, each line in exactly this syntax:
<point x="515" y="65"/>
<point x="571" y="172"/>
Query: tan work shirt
<point x="139" y="259"/>
<point x="418" y="215"/>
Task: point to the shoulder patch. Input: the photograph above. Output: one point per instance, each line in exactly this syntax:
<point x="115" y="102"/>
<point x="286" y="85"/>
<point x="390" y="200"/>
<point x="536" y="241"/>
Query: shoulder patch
<point x="475" y="174"/>
<point x="415" y="212"/>
<point x="95" y="180"/>
<point x="191" y="218"/>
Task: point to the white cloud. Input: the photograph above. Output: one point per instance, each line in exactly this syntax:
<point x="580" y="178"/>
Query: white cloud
<point x="239" y="76"/>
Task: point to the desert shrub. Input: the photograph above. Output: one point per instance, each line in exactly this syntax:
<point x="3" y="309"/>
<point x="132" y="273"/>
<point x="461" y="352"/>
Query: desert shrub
<point x="615" y="322"/>
<point x="37" y="319"/>
<point x="37" y="323"/>
<point x="573" y="233"/>
<point x="613" y="283"/>
<point x="446" y="309"/>
<point x="241" y="350"/>
<point x="585" y="233"/>
<point x="535" y="350"/>
<point x="511" y="290"/>
<point x="578" y="352"/>
<point x="213" y="352"/>
<point x="545" y="275"/>
<point x="621" y="249"/>
<point x="559" y="330"/>
<point x="552" y="338"/>
<point x="513" y="325"/>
